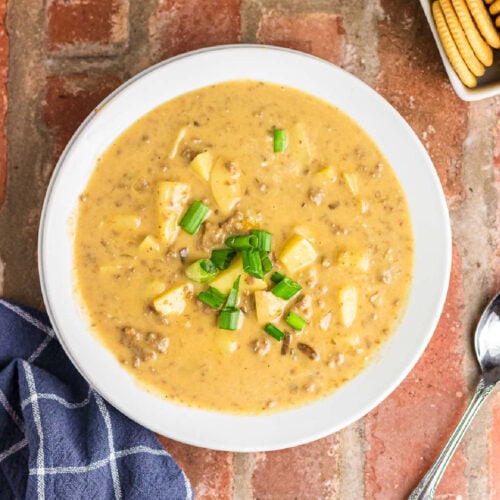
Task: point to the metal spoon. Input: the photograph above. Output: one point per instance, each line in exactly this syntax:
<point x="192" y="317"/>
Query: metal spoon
<point x="487" y="346"/>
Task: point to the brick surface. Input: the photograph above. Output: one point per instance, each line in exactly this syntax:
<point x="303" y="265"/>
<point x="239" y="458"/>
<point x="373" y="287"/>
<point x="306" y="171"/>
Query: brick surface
<point x="182" y="25"/>
<point x="413" y="79"/>
<point x="494" y="452"/>
<point x="4" y="54"/>
<point x="495" y="264"/>
<point x="320" y="34"/>
<point x="86" y="27"/>
<point x="305" y="472"/>
<point x="210" y="472"/>
<point x="69" y="100"/>
<point x="407" y="431"/>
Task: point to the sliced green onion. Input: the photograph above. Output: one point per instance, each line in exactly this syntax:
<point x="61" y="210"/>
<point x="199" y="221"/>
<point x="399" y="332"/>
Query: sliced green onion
<point x="280" y="140"/>
<point x="242" y="242"/>
<point x="252" y="263"/>
<point x="274" y="331"/>
<point x="277" y="277"/>
<point x="194" y="217"/>
<point x="295" y="321"/>
<point x="267" y="265"/>
<point x="286" y="288"/>
<point x="229" y="318"/>
<point x="212" y="297"/>
<point x="232" y="298"/>
<point x="264" y="239"/>
<point x="222" y="257"/>
<point x="201" y="270"/>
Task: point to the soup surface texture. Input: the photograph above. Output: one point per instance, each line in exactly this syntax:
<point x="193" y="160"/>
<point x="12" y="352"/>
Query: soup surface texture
<point x="260" y="157"/>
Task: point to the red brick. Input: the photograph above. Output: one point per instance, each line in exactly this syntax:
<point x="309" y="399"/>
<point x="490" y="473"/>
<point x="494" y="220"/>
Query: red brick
<point x="413" y="79"/>
<point x="407" y="431"/>
<point x="4" y="57"/>
<point x="209" y="471"/>
<point x="305" y="472"/>
<point x="494" y="451"/>
<point x="495" y="264"/>
<point x="69" y="100"/>
<point x="86" y="27"/>
<point x="182" y="25"/>
<point x="320" y="34"/>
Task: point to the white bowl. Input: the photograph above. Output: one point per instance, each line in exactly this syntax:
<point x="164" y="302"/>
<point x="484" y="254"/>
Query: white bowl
<point x="396" y="140"/>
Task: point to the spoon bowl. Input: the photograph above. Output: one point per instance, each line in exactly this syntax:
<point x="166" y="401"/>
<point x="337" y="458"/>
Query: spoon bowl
<point x="487" y="341"/>
<point x="487" y="346"/>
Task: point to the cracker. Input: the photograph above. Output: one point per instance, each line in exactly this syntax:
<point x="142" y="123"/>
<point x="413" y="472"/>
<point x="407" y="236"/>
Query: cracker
<point x="483" y="21"/>
<point x="481" y="48"/>
<point x="461" y="41"/>
<point x="494" y="8"/>
<point x="497" y="21"/>
<point x="450" y="48"/>
<point x="489" y="1"/>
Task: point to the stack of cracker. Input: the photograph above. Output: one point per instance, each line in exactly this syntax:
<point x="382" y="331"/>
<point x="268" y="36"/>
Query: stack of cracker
<point x="468" y="35"/>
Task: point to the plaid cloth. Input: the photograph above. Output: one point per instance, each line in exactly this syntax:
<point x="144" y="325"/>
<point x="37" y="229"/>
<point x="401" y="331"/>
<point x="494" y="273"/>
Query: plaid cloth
<point x="58" y="438"/>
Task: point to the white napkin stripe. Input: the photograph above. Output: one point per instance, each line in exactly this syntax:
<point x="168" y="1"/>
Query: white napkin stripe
<point x="55" y="397"/>
<point x="39" y="349"/>
<point x="10" y="411"/>
<point x="29" y="318"/>
<point x="80" y="469"/>
<point x="112" y="458"/>
<point x="15" y="447"/>
<point x="40" y="459"/>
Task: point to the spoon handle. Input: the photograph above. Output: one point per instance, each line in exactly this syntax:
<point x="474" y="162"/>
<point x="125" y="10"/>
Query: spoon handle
<point x="427" y="486"/>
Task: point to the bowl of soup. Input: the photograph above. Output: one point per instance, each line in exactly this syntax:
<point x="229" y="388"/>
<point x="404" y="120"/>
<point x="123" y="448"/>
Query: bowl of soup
<point x="244" y="248"/>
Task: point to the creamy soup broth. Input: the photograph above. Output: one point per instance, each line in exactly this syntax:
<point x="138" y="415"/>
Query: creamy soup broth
<point x="331" y="190"/>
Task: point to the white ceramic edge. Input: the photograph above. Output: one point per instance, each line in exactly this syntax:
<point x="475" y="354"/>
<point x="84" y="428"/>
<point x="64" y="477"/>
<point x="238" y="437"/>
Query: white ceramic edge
<point x="269" y="432"/>
<point x="466" y="94"/>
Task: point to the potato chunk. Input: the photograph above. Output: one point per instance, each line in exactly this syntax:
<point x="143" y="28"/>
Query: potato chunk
<point x="225" y="279"/>
<point x="326" y="175"/>
<point x="348" y="302"/>
<point x="357" y="260"/>
<point x="171" y="199"/>
<point x="123" y="222"/>
<point x="297" y="254"/>
<point x="202" y="164"/>
<point x="225" y="184"/>
<point x="352" y="182"/>
<point x="268" y="307"/>
<point x="179" y="138"/>
<point x="149" y="244"/>
<point x="173" y="301"/>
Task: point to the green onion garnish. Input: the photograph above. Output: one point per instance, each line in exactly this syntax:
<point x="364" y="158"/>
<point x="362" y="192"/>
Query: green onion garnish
<point x="277" y="277"/>
<point x="232" y="298"/>
<point x="194" y="217"/>
<point x="228" y="319"/>
<point x="201" y="270"/>
<point x="274" y="331"/>
<point x="295" y="321"/>
<point x="286" y="288"/>
<point x="212" y="297"/>
<point x="252" y="263"/>
<point x="267" y="265"/>
<point x="242" y="242"/>
<point x="222" y="257"/>
<point x="264" y="239"/>
<point x="280" y="140"/>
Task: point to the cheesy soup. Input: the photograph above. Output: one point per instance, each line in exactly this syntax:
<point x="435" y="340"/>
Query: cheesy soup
<point x="243" y="248"/>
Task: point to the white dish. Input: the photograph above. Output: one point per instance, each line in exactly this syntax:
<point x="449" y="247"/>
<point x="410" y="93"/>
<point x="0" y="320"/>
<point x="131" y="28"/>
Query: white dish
<point x="395" y="139"/>
<point x="487" y="86"/>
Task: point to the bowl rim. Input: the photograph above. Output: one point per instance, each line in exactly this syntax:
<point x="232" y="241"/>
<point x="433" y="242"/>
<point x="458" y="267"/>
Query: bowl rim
<point x="271" y="440"/>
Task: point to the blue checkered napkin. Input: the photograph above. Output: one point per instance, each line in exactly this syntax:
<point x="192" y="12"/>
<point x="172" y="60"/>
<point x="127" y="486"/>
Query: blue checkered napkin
<point x="58" y="438"/>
